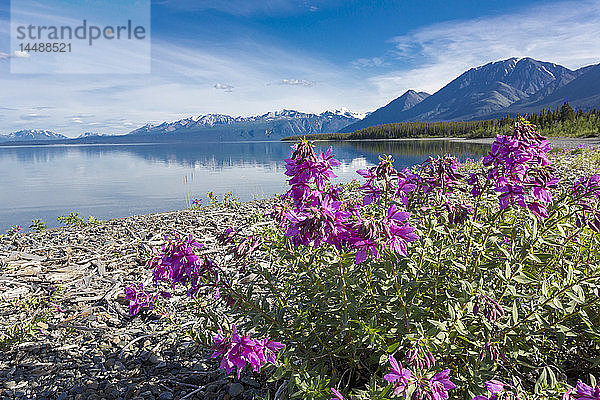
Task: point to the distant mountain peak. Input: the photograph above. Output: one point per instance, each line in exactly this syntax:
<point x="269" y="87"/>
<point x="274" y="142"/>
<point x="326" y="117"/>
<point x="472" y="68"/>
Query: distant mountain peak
<point x="273" y="124"/>
<point x="511" y="85"/>
<point x="31" y="134"/>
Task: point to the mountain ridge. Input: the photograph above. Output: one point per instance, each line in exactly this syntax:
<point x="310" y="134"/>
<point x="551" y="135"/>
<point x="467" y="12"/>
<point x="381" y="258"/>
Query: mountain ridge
<point x="512" y="86"/>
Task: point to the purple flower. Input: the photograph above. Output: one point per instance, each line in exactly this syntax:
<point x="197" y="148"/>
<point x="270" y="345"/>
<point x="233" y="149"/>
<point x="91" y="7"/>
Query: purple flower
<point x="541" y="189"/>
<point x="538" y="209"/>
<point x="367" y="236"/>
<point x="568" y="394"/>
<point x="585" y="392"/>
<point x="398" y="375"/>
<point x="439" y="175"/>
<point x="440" y="384"/>
<point x="474" y="181"/>
<point x="511" y="194"/>
<point x="269" y="348"/>
<point x="492" y="349"/>
<point x="138" y="299"/>
<point x="227" y="236"/>
<point x="517" y="169"/>
<point x="459" y="213"/>
<point x="338" y="395"/>
<point x="495" y="387"/>
<point x="178" y="263"/>
<point x="371" y="187"/>
<point x="420" y="356"/>
<point x="246" y="247"/>
<point x="586" y="193"/>
<point x="492" y="310"/>
<point x="407" y="182"/>
<point x="237" y="351"/>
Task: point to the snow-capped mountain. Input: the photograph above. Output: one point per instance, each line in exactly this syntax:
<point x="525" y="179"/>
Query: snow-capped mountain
<point x="512" y="86"/>
<point x="271" y="125"/>
<point x="31" y="134"/>
<point x="92" y="135"/>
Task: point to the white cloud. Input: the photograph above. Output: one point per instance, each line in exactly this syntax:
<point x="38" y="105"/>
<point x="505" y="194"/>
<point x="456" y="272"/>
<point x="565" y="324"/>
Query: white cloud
<point x="21" y="54"/>
<point x="368" y="62"/>
<point x="296" y="82"/>
<point x="33" y="116"/>
<point x="225" y="87"/>
<point x="565" y="33"/>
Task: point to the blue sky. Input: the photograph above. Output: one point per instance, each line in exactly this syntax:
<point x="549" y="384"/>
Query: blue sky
<point x="245" y="57"/>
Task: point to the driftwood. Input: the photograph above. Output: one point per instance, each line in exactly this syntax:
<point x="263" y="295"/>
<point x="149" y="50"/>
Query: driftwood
<point x="62" y="300"/>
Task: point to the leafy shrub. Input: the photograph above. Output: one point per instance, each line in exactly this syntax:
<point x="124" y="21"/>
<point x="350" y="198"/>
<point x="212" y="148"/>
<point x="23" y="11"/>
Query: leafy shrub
<point x="229" y="200"/>
<point x="74" y="220"/>
<point x="485" y="284"/>
<point x="38" y="225"/>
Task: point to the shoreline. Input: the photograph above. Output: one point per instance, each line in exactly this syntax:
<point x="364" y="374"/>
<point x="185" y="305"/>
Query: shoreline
<point x="557" y="142"/>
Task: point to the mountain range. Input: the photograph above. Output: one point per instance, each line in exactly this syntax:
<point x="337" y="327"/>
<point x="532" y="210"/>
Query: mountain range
<point x="213" y="127"/>
<point x="515" y="86"/>
<point x="509" y="87"/>
<point x="31" y="134"/>
<point x="272" y="125"/>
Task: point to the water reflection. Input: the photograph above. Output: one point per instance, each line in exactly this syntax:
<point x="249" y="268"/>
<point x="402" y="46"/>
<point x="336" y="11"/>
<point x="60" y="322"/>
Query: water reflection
<point x="110" y="181"/>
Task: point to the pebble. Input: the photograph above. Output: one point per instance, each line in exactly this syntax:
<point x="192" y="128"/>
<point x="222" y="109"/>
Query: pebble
<point x="166" y="396"/>
<point x="236" y="389"/>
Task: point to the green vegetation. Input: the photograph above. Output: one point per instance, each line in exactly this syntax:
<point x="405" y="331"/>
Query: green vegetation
<point x="563" y="121"/>
<point x="38" y="225"/>
<point x="74" y="219"/>
<point x="229" y="200"/>
<point x="40" y="307"/>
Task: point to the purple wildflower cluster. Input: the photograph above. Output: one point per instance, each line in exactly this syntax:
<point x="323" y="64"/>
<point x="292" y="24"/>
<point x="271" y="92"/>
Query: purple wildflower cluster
<point x="439" y="175"/>
<point x="586" y="193"/>
<point x="434" y="388"/>
<point x="316" y="216"/>
<point x="496" y="389"/>
<point x="491" y="309"/>
<point x="178" y="263"/>
<point x="384" y="179"/>
<point x="517" y="169"/>
<point x="237" y="350"/>
<point x="419" y="356"/>
<point x="492" y="350"/>
<point x="582" y="392"/>
<point x="139" y="299"/>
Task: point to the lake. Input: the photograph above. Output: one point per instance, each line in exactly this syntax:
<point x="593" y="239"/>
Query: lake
<point x="111" y="181"/>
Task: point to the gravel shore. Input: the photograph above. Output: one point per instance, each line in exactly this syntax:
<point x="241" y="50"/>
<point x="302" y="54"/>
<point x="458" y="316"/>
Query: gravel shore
<point x="65" y="287"/>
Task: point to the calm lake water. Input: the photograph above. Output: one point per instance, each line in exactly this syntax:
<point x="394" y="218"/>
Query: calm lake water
<point x="110" y="181"/>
